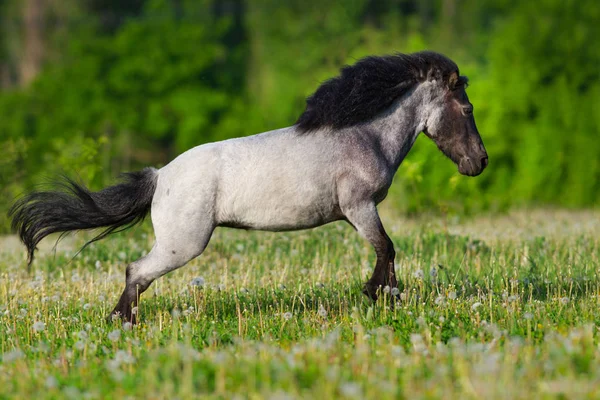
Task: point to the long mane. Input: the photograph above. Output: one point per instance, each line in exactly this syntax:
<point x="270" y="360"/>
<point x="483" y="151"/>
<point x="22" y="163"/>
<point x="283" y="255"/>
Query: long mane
<point x="370" y="86"/>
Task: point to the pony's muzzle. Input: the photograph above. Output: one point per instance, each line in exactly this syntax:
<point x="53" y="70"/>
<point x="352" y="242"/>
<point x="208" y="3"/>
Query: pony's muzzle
<point x="472" y="166"/>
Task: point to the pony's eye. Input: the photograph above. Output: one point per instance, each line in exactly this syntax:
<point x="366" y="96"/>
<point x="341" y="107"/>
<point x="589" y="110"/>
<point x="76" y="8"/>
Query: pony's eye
<point x="468" y="110"/>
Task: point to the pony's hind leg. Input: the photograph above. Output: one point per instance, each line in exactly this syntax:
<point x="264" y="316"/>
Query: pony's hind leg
<point x="166" y="255"/>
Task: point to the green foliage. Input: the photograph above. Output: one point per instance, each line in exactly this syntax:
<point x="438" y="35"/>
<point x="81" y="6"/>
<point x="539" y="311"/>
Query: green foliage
<point x="173" y="75"/>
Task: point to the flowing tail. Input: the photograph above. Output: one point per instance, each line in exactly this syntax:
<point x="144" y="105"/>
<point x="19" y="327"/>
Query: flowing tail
<point x="74" y="207"/>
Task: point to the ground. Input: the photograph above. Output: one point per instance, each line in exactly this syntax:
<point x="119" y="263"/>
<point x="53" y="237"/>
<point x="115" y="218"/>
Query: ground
<point x="491" y="307"/>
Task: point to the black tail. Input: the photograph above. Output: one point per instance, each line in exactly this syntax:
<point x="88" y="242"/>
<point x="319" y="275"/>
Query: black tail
<point x="73" y="207"/>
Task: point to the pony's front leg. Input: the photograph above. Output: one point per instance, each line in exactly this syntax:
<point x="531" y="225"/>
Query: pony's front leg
<point x="365" y="219"/>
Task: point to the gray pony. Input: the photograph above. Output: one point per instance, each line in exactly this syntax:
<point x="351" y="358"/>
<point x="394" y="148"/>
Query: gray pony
<point x="336" y="163"/>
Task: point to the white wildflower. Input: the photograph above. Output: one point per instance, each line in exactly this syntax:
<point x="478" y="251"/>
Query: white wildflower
<point x="115" y="335"/>
<point x="475" y="306"/>
<point x="123" y="357"/>
<point x="351" y="389"/>
<point x="197" y="281"/>
<point x="322" y="311"/>
<point x="287" y="316"/>
<point x="395" y="291"/>
<point x="418" y="274"/>
<point x="82" y="335"/>
<point x="87" y="306"/>
<point x="386" y="289"/>
<point x="51" y="382"/>
<point x="12" y="355"/>
<point x="452" y="295"/>
<point x="39" y="326"/>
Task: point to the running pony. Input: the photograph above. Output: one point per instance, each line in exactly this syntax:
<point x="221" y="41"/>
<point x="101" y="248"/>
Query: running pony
<point x="336" y="163"/>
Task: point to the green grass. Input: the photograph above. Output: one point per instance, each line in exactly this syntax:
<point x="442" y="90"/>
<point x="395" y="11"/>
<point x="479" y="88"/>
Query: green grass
<point x="494" y="307"/>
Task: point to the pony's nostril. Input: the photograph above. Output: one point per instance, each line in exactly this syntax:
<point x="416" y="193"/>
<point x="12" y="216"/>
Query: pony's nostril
<point x="484" y="162"/>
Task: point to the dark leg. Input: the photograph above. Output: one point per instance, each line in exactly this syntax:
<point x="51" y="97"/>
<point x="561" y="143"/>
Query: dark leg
<point x="128" y="300"/>
<point x="366" y="221"/>
<point x="141" y="273"/>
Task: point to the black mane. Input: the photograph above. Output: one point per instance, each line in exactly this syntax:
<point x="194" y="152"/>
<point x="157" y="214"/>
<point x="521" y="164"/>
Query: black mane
<point x="368" y="87"/>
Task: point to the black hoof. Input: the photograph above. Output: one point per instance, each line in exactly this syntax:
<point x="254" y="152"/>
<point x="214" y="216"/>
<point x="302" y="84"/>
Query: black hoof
<point x="371" y="291"/>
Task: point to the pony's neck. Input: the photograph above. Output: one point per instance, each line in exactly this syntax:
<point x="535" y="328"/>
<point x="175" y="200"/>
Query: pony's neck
<point x="397" y="129"/>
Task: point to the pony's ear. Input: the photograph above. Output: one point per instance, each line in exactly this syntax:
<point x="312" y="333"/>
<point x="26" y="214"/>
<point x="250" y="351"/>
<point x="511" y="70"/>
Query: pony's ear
<point x="452" y="80"/>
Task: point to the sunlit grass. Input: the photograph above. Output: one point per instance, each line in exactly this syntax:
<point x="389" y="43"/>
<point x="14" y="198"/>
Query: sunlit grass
<point x="511" y="312"/>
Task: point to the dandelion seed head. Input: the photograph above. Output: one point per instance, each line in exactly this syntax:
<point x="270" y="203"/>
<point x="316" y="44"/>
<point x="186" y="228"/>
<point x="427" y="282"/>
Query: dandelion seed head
<point x="51" y="382"/>
<point x="395" y="291"/>
<point x="115" y="335"/>
<point x="476" y="305"/>
<point x="287" y="316"/>
<point x="123" y="357"/>
<point x="322" y="311"/>
<point x="197" y="281"/>
<point x="12" y="355"/>
<point x="351" y="390"/>
<point x="39" y="326"/>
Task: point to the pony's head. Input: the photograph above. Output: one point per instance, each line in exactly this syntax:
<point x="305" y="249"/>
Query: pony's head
<point x="451" y="125"/>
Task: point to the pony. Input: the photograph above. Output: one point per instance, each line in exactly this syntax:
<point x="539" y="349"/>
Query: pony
<point x="335" y="163"/>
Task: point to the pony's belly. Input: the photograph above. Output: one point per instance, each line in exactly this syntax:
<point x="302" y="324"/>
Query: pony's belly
<point x="278" y="216"/>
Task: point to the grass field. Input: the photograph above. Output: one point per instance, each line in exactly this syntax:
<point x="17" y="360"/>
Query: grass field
<point x="491" y="307"/>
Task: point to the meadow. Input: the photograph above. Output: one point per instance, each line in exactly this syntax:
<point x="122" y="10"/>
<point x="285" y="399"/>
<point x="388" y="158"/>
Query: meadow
<point x="503" y="306"/>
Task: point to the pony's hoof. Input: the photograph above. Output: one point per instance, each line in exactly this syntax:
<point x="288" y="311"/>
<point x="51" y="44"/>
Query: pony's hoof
<point x="120" y="317"/>
<point x="370" y="291"/>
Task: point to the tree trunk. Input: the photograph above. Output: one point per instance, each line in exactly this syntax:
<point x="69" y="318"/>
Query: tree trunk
<point x="33" y="40"/>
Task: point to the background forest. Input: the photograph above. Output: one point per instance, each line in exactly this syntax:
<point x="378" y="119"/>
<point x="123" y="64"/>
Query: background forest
<point x="95" y="87"/>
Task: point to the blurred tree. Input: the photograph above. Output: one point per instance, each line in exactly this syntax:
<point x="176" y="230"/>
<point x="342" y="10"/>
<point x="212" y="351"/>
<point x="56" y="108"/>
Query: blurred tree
<point x="110" y="85"/>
